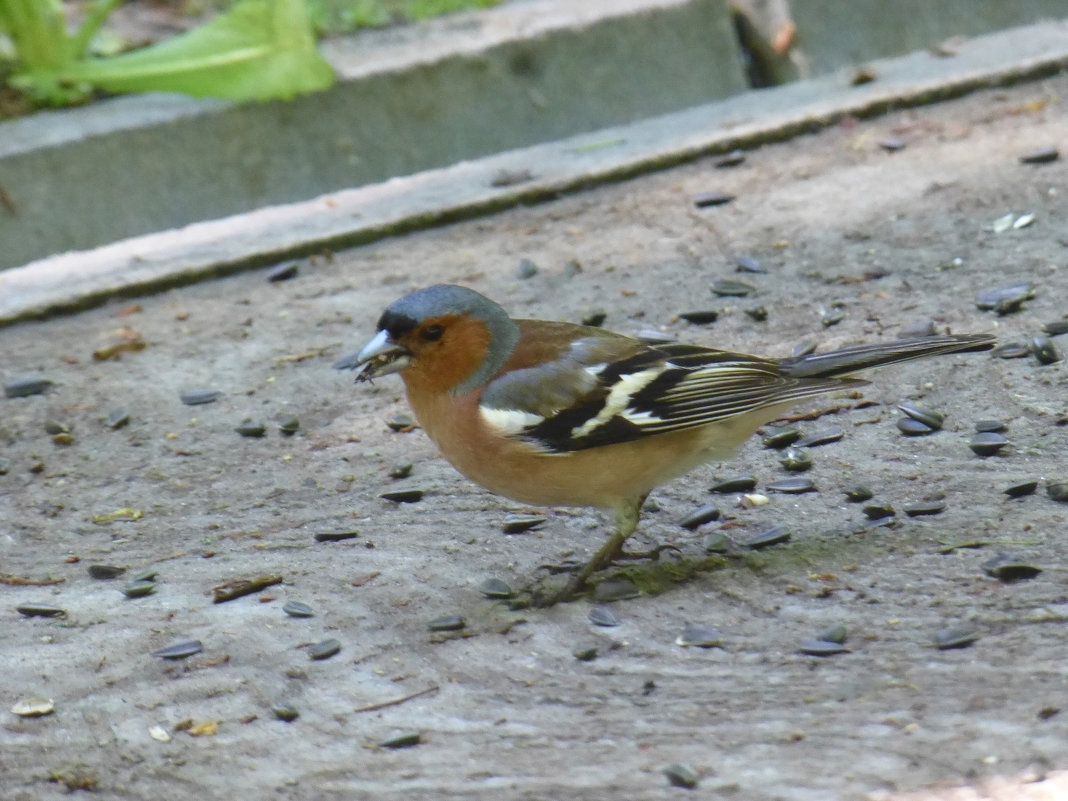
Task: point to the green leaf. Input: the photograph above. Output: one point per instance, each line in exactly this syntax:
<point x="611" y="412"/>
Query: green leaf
<point x="260" y="49"/>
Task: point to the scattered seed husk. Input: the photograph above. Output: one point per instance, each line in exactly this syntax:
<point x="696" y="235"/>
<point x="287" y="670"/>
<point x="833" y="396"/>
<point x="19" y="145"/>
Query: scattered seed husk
<point x="56" y="427"/>
<point x="118" y="418"/>
<point x="40" y="610"/>
<point x="955" y="637"/>
<point x="403" y="495"/>
<point x="832" y="316"/>
<point x="1022" y="488"/>
<point x="747" y="264"/>
<point x="517" y="524"/>
<point x="283" y="272"/>
<point x="139" y="589"/>
<point x="698" y="636"/>
<point x="1041" y="155"/>
<point x="335" y="536"/>
<point x="879" y="522"/>
<point x="617" y="588"/>
<point x="159" y="734"/>
<point x="1057" y="490"/>
<point x="603" y="616"/>
<point x="401" y="422"/>
<point x="298" y="609"/>
<point x="1012" y="350"/>
<point x="34" y="707"/>
<point x="892" y="144"/>
<point x="804" y="348"/>
<point x="796" y="460"/>
<point x="705" y="514"/>
<point x="1023" y="221"/>
<point x="729" y="288"/>
<point x="679" y="775"/>
<point x="289" y="425"/>
<point x="823" y="437"/>
<point x="323" y="650"/>
<point x="758" y="314"/>
<point x="285" y="711"/>
<point x="200" y="395"/>
<point x="736" y="484"/>
<point x="987" y="443"/>
<point x="716" y="542"/>
<point x="585" y="653"/>
<point x="1056" y="328"/>
<point x="526" y="269"/>
<point x="251" y="428"/>
<point x="779" y="438"/>
<point x="875" y="511"/>
<point x="180" y="650"/>
<point x="595" y="319"/>
<point x="496" y="588"/>
<point x="911" y="427"/>
<point x="63" y="439"/>
<point x="792" y="486"/>
<point x="1009" y="568"/>
<point x="772" y="536"/>
<point x="25" y="386"/>
<point x="925" y="416"/>
<point x="105" y="572"/>
<point x="700" y="317"/>
<point x="1044" y="350"/>
<point x="401" y="470"/>
<point x="836" y="634"/>
<point x="751" y="500"/>
<point x="732" y="159"/>
<point x="923" y="508"/>
<point x="1002" y="223"/>
<point x="990" y="425"/>
<point x="240" y="587"/>
<point x="816" y="647"/>
<point x="859" y="493"/>
<point x="1006" y="299"/>
<point x="406" y="740"/>
<point x="704" y="200"/>
<point x="447" y="623"/>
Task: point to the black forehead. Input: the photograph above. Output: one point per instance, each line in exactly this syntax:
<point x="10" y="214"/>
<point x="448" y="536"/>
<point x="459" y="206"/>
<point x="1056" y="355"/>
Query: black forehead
<point x="396" y="324"/>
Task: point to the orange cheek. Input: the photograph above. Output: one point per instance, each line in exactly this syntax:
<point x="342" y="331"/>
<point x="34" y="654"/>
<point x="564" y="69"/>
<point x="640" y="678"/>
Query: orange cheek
<point x="440" y="366"/>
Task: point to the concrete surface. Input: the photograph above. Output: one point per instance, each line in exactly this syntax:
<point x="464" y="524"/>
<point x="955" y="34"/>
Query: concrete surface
<point x="436" y="196"/>
<point x="894" y="237"/>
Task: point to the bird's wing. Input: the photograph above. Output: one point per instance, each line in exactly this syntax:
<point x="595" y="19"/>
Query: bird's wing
<point x="583" y="399"/>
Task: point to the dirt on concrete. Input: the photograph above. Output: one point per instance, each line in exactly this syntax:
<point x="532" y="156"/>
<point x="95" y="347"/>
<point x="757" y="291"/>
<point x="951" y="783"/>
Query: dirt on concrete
<point x="504" y="709"/>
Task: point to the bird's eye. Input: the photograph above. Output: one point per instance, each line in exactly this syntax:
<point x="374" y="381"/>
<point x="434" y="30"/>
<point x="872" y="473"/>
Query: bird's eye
<point x="432" y="333"/>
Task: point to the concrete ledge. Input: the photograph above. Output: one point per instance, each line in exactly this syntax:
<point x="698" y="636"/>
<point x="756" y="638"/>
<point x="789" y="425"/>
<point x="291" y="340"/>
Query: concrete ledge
<point x="436" y="196"/>
<point x="428" y="96"/>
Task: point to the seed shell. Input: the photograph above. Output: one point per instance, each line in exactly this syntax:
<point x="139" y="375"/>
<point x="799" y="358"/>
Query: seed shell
<point x="324" y="650"/>
<point x="704" y="200"/>
<point x="105" y="572"/>
<point x="406" y="740"/>
<point x="1009" y="568"/>
<point x="139" y="589"/>
<point x="618" y="588"/>
<point x="1057" y="490"/>
<point x="924" y="508"/>
<point x="859" y="493"/>
<point x="180" y="650"/>
<point x="447" y="623"/>
<point x="679" y="775"/>
<point x="705" y="514"/>
<point x="875" y="511"/>
<point x="925" y="416"/>
<point x="283" y="272"/>
<point x="1044" y="351"/>
<point x="517" y="524"/>
<point x="700" y="317"/>
<point x="736" y="484"/>
<point x="779" y="438"/>
<point x="732" y="159"/>
<point x="990" y="425"/>
<point x="792" y="486"/>
<point x="603" y="616"/>
<point x="796" y="460"/>
<point x="285" y="711"/>
<point x="289" y="425"/>
<point x="251" y="428"/>
<point x="496" y="588"/>
<point x="817" y="647"/>
<point x="1042" y="155"/>
<point x="298" y="609"/>
<point x="1056" y="328"/>
<point x="836" y="634"/>
<point x="1022" y="489"/>
<point x="34" y="707"/>
<point x="773" y="536"/>
<point x="747" y="264"/>
<point x="911" y="427"/>
<point x="716" y="542"/>
<point x="118" y="418"/>
<point x="40" y="610"/>
<point x="335" y="536"/>
<point x="729" y="288"/>
<point x="824" y="437"/>
<point x="987" y="443"/>
<point x="25" y="386"/>
<point x="200" y="395"/>
<point x="403" y="496"/>
<point x="955" y="637"/>
<point x="698" y="636"/>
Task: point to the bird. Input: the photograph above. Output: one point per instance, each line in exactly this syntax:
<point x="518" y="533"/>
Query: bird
<point x="558" y="414"/>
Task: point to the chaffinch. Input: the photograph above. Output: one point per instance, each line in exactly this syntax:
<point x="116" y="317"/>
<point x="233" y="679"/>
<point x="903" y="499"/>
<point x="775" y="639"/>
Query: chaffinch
<point x="558" y="414"/>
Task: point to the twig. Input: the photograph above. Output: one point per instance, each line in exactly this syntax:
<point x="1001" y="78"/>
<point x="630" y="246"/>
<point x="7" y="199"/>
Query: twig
<point x="394" y="702"/>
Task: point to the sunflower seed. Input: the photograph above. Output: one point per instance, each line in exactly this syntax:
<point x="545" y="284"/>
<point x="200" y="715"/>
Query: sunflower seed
<point x="703" y="200"/>
<point x="40" y="610"/>
<point x="324" y="650"/>
<point x="200" y="395"/>
<point x="139" y="589"/>
<point x="892" y="144"/>
<point x="1056" y="328"/>
<point x="792" y="486"/>
<point x="987" y="443"/>
<point x="822" y="648"/>
<point x="148" y="574"/>
<point x="926" y="416"/>
<point x="876" y="511"/>
<point x="699" y="637"/>
<point x="401" y="470"/>
<point x="496" y="588"/>
<point x="1021" y="489"/>
<point x="25" y="386"/>
<point x="117" y="418"/>
<point x="1044" y="351"/>
<point x="747" y="264"/>
<point x="804" y="349"/>
<point x="1009" y="568"/>
<point x="403" y="496"/>
<point x="736" y="484"/>
<point x="585" y="653"/>
<point x="706" y="514"/>
<point x="34" y="707"/>
<point x="251" y="428"/>
<point x="285" y="711"/>
<point x="180" y="650"/>
<point x="1007" y="299"/>
<point x="1057" y="490"/>
<point x="56" y="427"/>
<point x="298" y="609"/>
<point x="401" y="422"/>
<point x="732" y="159"/>
<point x="618" y="588"/>
<point x="990" y="425"/>
<point x="603" y="616"/>
<point x="836" y="634"/>
<point x="773" y="536"/>
<point x="595" y="319"/>
<point x="679" y="775"/>
<point x="1002" y="223"/>
<point x="716" y="542"/>
<point x="283" y="272"/>
<point x="447" y="623"/>
<point x="757" y="314"/>
<point x="517" y="524"/>
<point x="913" y="428"/>
<point x="526" y="269"/>
<point x="824" y="437"/>
<point x="1012" y="350"/>
<point x="833" y="316"/>
<point x="105" y="571"/>
<point x="335" y="536"/>
<point x="796" y="460"/>
<point x="1042" y="155"/>
<point x="1023" y="221"/>
<point x="406" y="740"/>
<point x="779" y="438"/>
<point x="859" y="493"/>
<point x="289" y="425"/>
<point x="729" y="288"/>
<point x="700" y="317"/>
<point x="954" y="637"/>
<point x="924" y="508"/>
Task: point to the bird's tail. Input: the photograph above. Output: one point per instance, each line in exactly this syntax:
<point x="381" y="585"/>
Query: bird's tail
<point x="861" y="357"/>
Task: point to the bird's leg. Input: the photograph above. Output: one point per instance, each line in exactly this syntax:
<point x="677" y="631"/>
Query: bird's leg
<point x="626" y="522"/>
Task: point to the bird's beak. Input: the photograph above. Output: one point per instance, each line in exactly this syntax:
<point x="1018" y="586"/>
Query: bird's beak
<point x="381" y="356"/>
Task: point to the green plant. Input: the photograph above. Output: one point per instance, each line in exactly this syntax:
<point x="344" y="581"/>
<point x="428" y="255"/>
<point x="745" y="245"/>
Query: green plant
<point x="259" y="49"/>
